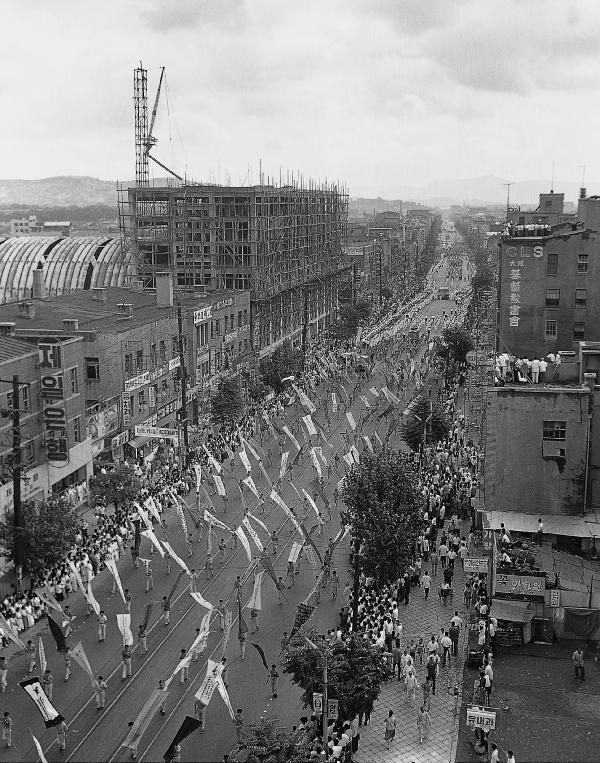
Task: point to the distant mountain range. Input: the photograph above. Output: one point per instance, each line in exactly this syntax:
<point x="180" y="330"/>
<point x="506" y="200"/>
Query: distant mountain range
<point x="70" y="190"/>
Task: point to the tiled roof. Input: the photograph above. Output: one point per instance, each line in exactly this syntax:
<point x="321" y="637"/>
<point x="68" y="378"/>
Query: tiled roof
<point x="11" y="348"/>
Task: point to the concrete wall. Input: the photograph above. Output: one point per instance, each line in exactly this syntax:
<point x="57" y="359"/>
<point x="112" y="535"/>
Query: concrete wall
<point x="520" y="477"/>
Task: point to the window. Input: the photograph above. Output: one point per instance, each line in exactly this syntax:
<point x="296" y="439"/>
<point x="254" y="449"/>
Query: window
<point x="578" y="331"/>
<point x="74" y="377"/>
<point x="583" y="261"/>
<point x="580" y="297"/>
<point x="552" y="265"/>
<point x="128" y="365"/>
<point x="92" y="369"/>
<point x="139" y="360"/>
<point x="23" y="398"/>
<point x="163" y="351"/>
<point x="552" y="297"/>
<point x="551" y="330"/>
<point x="77" y="429"/>
<point x="555" y="430"/>
<point x="28" y="452"/>
<point x="239" y="319"/>
<point x="141" y="401"/>
<point x="226" y="323"/>
<point x="153" y="356"/>
<point x="174" y="345"/>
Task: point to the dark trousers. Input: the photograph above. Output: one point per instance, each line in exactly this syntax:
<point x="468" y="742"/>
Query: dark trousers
<point x="454" y="647"/>
<point x="580" y="672"/>
<point x="445" y="656"/>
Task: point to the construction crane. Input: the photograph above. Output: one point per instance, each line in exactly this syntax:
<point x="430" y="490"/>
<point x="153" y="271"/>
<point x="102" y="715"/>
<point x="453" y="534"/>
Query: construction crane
<point x="144" y="140"/>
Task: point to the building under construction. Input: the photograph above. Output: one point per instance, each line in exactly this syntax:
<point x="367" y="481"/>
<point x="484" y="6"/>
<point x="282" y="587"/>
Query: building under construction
<point x="283" y="244"/>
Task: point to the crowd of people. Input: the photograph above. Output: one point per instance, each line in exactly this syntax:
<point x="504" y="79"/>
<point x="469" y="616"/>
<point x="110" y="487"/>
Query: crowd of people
<point x="514" y="370"/>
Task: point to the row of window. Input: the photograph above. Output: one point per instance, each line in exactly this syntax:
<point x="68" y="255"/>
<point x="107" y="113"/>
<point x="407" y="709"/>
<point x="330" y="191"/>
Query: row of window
<point x="551" y="330"/>
<point x="553" y="298"/>
<point x="583" y="261"/>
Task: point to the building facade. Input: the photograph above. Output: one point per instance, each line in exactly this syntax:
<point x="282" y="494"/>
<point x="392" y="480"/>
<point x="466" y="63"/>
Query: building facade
<point x="283" y="245"/>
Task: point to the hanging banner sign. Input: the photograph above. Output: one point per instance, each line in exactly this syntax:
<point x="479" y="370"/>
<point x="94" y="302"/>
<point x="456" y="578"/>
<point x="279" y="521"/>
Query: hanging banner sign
<point x="284" y="461"/>
<point x="316" y="463"/>
<point x="157" y="433"/>
<point x="291" y="437"/>
<point x="351" y="420"/>
<point x="249" y="482"/>
<point x="309" y="424"/>
<point x="245" y="461"/>
<point x="294" y="552"/>
<point x="219" y="485"/>
<point x="34" y="690"/>
<point x="197" y="597"/>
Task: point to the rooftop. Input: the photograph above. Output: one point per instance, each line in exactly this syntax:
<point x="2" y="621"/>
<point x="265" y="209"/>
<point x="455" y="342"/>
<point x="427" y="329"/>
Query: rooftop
<point x="101" y="317"/>
<point x="13" y="349"/>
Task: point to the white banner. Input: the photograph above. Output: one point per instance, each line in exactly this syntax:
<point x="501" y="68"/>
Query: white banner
<point x="367" y="439"/>
<point x="177" y="559"/>
<point x="315" y="461"/>
<point x="209" y="684"/>
<point x="251" y="449"/>
<point x="34" y="689"/>
<point x="258" y="521"/>
<point x="198" y="473"/>
<point x="124" y="624"/>
<point x="38" y="747"/>
<point x="256" y="598"/>
<point x="309" y="424"/>
<point x="355" y="454"/>
<point x="154" y="540"/>
<point x="284" y="460"/>
<point x="111" y="566"/>
<point x="252" y="533"/>
<point x="365" y="401"/>
<point x="80" y="657"/>
<point x="220" y="485"/>
<point x="334" y="402"/>
<point x="216" y="465"/>
<point x="348" y="459"/>
<point x="245" y="461"/>
<point x="212" y="520"/>
<point x="91" y="599"/>
<point x="42" y="654"/>
<point x="10" y="632"/>
<point x="151" y="506"/>
<point x="374" y="391"/>
<point x="312" y="504"/>
<point x="291" y="437"/>
<point x="274" y="495"/>
<point x="157" y="433"/>
<point x="304" y="399"/>
<point x="156" y="699"/>
<point x="294" y="551"/>
<point x="351" y="421"/>
<point x="224" y="695"/>
<point x="197" y="597"/>
<point x="244" y="541"/>
<point x="249" y="482"/>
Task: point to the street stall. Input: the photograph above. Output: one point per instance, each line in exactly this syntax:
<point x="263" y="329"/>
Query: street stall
<point x="514" y="622"/>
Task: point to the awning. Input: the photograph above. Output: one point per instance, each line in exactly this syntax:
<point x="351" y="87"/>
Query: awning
<point x="513" y="611"/>
<point x="137" y="442"/>
<point x="587" y="526"/>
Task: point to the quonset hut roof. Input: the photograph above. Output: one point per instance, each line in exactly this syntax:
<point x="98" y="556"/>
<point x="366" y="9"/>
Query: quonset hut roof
<point x="68" y="264"/>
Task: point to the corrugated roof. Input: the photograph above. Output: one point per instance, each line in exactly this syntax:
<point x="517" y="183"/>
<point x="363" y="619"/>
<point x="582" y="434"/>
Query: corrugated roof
<point x="11" y="349"/>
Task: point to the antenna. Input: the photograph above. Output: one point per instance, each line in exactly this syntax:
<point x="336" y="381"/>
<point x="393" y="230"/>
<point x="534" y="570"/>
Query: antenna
<point x="552" y="181"/>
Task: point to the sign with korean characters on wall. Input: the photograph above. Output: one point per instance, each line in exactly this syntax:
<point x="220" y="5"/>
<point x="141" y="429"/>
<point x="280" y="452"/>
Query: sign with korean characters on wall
<point x="523" y="587"/>
<point x="515" y="258"/>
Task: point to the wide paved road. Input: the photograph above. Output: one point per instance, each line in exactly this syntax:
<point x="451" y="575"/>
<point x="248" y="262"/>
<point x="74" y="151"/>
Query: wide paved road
<point x="96" y="735"/>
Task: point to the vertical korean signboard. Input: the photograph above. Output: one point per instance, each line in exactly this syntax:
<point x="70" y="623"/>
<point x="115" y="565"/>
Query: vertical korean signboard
<point x="515" y="263"/>
<point x="54" y="417"/>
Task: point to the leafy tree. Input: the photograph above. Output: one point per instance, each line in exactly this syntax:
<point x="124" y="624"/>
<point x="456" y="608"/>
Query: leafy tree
<point x="268" y="742"/>
<point x="117" y="486"/>
<point x="386" y="293"/>
<point x="46" y="534"/>
<point x="355" y="672"/>
<point x="285" y="361"/>
<point x="350" y="318"/>
<point x="425" y="416"/>
<point x="383" y="508"/>
<point x="456" y="343"/>
<point x="483" y="278"/>
<point x="227" y="404"/>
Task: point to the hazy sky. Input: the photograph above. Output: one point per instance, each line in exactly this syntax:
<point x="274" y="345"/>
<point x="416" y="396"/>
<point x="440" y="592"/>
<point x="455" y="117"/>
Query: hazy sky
<point x="381" y="93"/>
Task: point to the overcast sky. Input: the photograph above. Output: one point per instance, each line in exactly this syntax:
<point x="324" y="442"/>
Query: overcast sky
<point x="379" y="93"/>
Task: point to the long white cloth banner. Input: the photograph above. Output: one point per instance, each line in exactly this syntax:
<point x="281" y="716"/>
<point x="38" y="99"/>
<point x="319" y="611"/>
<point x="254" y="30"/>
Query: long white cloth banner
<point x="197" y="597"/>
<point x="209" y="684"/>
<point x="216" y="465"/>
<point x="143" y="514"/>
<point x="248" y="446"/>
<point x="212" y="520"/>
<point x="154" y="540"/>
<point x="253" y="534"/>
<point x="151" y="506"/>
<point x="274" y="495"/>
<point x="156" y="699"/>
<point x="334" y="402"/>
<point x="312" y="504"/>
<point x="80" y="657"/>
<point x="355" y="454"/>
<point x="49" y="713"/>
<point x="245" y="461"/>
<point x="288" y="433"/>
<point x="249" y="482"/>
<point x="220" y="485"/>
<point x="304" y="399"/>
<point x="11" y="633"/>
<point x="316" y="463"/>
<point x="111" y="566"/>
<point x="374" y="391"/>
<point x="351" y="420"/>
<point x="367" y="439"/>
<point x="225" y="696"/>
<point x="294" y="551"/>
<point x="91" y="599"/>
<point x="258" y="521"/>
<point x="38" y="747"/>
<point x="309" y="424"/>
<point x="124" y="625"/>
<point x="198" y="473"/>
<point x="365" y="401"/>
<point x="284" y="461"/>
<point x="177" y="559"/>
<point x="319" y="452"/>
<point x="255" y="601"/>
<point x="42" y="655"/>
<point x="348" y="459"/>
<point x="244" y="541"/>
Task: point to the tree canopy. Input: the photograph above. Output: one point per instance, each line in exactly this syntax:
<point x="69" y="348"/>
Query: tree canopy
<point x="456" y="343"/>
<point x="285" y="361"/>
<point x="437" y="429"/>
<point x="268" y="742"/>
<point x="47" y="533"/>
<point x="383" y="508"/>
<point x="227" y="404"/>
<point x="355" y="672"/>
<point x="349" y="319"/>
<point x="117" y="486"/>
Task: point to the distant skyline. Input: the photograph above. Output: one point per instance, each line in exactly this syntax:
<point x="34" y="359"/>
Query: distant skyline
<point x="384" y="95"/>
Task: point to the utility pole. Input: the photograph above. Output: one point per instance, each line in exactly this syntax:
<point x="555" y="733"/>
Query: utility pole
<point x="305" y="311"/>
<point x="356" y="584"/>
<point x="325" y="713"/>
<point x="183" y="419"/>
<point x="508" y="185"/>
<point x="16" y="474"/>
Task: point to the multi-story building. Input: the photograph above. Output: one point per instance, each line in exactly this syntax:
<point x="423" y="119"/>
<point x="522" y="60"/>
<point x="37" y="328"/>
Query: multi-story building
<point x="55" y="449"/>
<point x="550" y="211"/>
<point x="130" y="354"/>
<point x="548" y="278"/>
<point x="283" y="244"/>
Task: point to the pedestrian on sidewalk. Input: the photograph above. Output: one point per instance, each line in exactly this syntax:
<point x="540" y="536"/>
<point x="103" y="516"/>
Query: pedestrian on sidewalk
<point x="427" y="687"/>
<point x="274" y="676"/>
<point x="434" y="561"/>
<point x="390" y="728"/>
<point x="102" y="620"/>
<point x="446" y="643"/>
<point x="7" y="726"/>
<point x="579" y="664"/>
<point x="142" y="639"/>
<point x="431" y="669"/>
<point x="423" y="724"/>
<point x="100" y="687"/>
<point x="426" y="584"/>
<point x="239" y="724"/>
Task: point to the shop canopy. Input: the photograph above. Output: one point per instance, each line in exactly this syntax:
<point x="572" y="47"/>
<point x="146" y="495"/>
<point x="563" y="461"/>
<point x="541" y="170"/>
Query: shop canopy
<point x="511" y="611"/>
<point x="138" y="442"/>
<point x="587" y="526"/>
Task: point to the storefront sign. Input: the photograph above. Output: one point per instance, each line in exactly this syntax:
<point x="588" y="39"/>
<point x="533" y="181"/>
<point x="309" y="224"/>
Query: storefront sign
<point x="52" y="387"/>
<point x="126" y="410"/>
<point x="54" y="418"/>
<point x="152" y="397"/>
<point x="227" y="302"/>
<point x="136" y="382"/>
<point x="167" y="409"/>
<point x="481" y="718"/>
<point x="157" y="432"/>
<point x="119" y="440"/>
<point x="103" y="423"/>
<point x="332" y="708"/>
<point x="476" y="564"/>
<point x="317" y="702"/>
<point x="524" y="587"/>
<point x="50" y="355"/>
<point x="204" y="314"/>
<point x="555" y="597"/>
<point x="174" y="363"/>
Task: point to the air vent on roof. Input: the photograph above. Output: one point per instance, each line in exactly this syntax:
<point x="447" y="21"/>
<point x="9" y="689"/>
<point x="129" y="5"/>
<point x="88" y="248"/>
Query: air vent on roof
<point x="27" y="310"/>
<point x="126" y="309"/>
<point x="7" y="328"/>
<point x="99" y="293"/>
<point x="70" y="324"/>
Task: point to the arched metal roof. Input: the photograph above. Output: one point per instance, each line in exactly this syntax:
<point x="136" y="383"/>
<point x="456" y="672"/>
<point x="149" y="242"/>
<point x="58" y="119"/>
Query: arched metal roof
<point x="68" y="264"/>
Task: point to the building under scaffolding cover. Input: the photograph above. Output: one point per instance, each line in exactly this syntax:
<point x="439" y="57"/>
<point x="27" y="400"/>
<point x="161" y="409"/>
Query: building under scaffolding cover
<point x="284" y="244"/>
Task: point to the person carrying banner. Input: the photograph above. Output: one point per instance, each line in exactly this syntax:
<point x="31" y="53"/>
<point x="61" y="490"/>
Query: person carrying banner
<point x="274" y="676"/>
<point x="67" y="657"/>
<point x="166" y="610"/>
<point x="61" y="735"/>
<point x="200" y="713"/>
<point x="126" y="661"/>
<point x="100" y="687"/>
<point x="142" y="639"/>
<point x="3" y="673"/>
<point x="7" y="726"/>
<point x="242" y="637"/>
<point x="29" y="646"/>
<point x="48" y="683"/>
<point x="254" y="620"/>
<point x="184" y="672"/>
